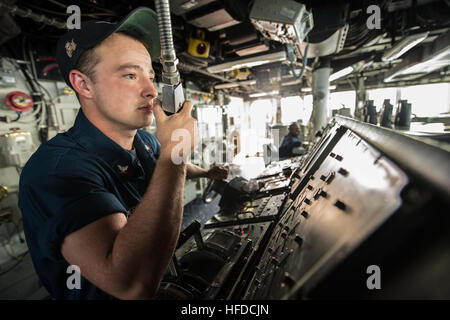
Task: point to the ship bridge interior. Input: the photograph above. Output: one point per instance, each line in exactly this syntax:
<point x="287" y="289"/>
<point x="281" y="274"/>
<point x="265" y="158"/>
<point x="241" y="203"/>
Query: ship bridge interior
<point x="330" y="118"/>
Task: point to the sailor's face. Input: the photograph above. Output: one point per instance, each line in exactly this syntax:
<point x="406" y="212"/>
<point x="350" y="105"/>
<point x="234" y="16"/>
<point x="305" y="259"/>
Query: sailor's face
<point x="124" y="90"/>
<point x="294" y="130"/>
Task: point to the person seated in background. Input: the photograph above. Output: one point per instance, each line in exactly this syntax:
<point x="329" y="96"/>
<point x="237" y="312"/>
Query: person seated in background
<point x="290" y="141"/>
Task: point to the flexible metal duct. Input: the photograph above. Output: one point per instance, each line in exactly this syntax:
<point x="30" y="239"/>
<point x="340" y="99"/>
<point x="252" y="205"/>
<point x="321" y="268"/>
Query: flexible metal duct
<point x="168" y="56"/>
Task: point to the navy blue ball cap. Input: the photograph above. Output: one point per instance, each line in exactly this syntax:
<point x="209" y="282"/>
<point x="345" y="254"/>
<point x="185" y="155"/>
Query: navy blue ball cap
<point x="141" y="22"/>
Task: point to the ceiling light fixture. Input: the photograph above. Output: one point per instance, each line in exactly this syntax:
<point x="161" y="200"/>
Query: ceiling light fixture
<point x="263" y="94"/>
<point x="248" y="62"/>
<point x="403" y="46"/>
<point x="341" y="73"/>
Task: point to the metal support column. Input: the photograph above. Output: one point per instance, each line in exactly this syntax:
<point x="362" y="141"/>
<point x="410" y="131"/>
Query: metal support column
<point x="278" y="114"/>
<point x="361" y="98"/>
<point x="320" y="89"/>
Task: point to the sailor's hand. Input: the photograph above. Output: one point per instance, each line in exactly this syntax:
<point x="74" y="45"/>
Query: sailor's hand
<point x="217" y="172"/>
<point x="176" y="133"/>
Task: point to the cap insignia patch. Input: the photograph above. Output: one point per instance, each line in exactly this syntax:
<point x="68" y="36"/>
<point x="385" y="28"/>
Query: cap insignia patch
<point x="70" y="48"/>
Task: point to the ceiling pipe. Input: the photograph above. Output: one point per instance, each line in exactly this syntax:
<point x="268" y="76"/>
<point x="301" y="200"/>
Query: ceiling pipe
<point x="28" y="13"/>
